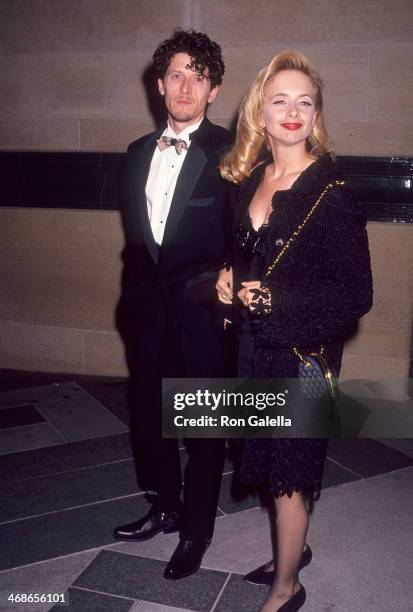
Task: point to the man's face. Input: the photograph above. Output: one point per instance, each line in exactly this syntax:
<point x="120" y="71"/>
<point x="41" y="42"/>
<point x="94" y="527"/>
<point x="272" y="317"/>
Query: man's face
<point x="187" y="93"/>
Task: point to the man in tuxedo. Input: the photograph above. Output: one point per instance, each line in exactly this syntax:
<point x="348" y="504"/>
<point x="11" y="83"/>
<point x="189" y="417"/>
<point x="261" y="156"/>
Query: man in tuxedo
<point x="174" y="213"/>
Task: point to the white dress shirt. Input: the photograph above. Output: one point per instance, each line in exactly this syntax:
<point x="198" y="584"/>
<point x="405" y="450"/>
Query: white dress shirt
<point x="163" y="174"/>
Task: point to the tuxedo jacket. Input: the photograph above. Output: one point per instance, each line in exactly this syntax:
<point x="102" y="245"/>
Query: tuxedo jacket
<point x="181" y="273"/>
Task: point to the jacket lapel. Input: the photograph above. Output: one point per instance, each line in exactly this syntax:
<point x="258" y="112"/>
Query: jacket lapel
<point x="194" y="163"/>
<point x="141" y="177"/>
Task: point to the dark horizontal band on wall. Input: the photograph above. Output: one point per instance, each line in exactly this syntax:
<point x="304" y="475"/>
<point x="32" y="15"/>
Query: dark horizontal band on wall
<point x="90" y="181"/>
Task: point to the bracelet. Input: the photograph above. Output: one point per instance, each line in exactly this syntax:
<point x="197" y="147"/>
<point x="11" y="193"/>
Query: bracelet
<point x="261" y="301"/>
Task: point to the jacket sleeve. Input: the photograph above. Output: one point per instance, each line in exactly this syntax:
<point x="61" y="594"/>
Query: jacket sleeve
<point x="333" y="288"/>
<point x="231" y="199"/>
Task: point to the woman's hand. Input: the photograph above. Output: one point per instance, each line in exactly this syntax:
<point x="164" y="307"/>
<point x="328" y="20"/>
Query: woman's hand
<point x="255" y="297"/>
<point x="224" y="286"/>
<point x="245" y="294"/>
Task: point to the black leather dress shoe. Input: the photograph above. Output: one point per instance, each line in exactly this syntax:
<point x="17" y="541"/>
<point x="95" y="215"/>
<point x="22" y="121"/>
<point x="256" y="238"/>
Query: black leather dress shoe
<point x="152" y="523"/>
<point x="260" y="576"/>
<point x="186" y="559"/>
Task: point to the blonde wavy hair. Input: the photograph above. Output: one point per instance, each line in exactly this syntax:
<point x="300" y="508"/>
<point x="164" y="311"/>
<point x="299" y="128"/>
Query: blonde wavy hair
<point x="250" y="144"/>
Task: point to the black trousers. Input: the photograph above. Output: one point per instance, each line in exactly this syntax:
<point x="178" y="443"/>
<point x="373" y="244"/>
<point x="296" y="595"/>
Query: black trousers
<point x="160" y="346"/>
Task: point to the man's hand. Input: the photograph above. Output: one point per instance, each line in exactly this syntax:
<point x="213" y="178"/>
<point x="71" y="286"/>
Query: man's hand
<point x="224" y="286"/>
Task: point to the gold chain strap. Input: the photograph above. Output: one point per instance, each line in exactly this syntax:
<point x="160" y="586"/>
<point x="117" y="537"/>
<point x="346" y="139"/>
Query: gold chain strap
<point x="301" y="356"/>
<point x="300" y="227"/>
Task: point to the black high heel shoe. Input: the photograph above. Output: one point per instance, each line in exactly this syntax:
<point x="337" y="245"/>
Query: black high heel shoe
<point x="295" y="602"/>
<point x="260" y="576"/>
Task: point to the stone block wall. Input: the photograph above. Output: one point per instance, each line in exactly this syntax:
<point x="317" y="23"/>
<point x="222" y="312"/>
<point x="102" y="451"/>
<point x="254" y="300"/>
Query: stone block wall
<point x="71" y="70"/>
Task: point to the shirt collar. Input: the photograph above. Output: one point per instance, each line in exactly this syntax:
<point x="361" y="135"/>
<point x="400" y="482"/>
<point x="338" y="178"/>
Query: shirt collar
<point x="184" y="135"/>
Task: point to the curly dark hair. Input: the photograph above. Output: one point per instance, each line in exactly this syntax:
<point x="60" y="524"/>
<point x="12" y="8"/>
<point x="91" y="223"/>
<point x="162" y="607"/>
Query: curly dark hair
<point x="205" y="54"/>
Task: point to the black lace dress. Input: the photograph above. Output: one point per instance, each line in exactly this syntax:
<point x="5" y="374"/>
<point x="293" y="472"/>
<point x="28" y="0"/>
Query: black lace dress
<point x="322" y="287"/>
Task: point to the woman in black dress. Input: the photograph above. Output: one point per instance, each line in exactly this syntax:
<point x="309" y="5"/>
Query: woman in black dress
<point x="283" y="162"/>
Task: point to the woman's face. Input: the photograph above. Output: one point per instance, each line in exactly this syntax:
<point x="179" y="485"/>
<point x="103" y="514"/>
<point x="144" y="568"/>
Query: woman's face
<point x="289" y="113"/>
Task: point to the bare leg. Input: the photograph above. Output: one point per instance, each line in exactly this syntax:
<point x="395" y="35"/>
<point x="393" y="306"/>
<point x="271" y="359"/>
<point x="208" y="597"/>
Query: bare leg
<point x="291" y="527"/>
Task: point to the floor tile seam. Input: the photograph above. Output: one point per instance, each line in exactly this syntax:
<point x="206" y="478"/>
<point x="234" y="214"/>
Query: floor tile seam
<point x="12" y="411"/>
<point x="33" y="448"/>
<point x="124" y="597"/>
<point x="62" y="395"/>
<point x="79" y="573"/>
<point x="163" y="605"/>
<point x="102" y="501"/>
<point x="97" y="550"/>
<point x="366" y="479"/>
<point x="108" y="548"/>
<point x="344" y="467"/>
<point x="221" y="510"/>
<point x="52" y="426"/>
<point x="34" y="402"/>
<point x="102" y="405"/>
<point x="22" y="404"/>
<point x="81" y="588"/>
<point x="13" y="403"/>
<point x="394" y="448"/>
<point x="231" y="514"/>
<point x="78" y="469"/>
<point x="210" y="568"/>
<point x="88" y="436"/>
<point x="400" y="469"/>
<point x="47" y="400"/>
<point x="156" y="558"/>
<point x="16" y="569"/>
<point x="44" y="422"/>
<point x="214" y="605"/>
<point x="17" y="452"/>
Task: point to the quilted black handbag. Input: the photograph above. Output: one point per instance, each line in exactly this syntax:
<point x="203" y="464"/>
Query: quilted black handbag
<point x="317" y="380"/>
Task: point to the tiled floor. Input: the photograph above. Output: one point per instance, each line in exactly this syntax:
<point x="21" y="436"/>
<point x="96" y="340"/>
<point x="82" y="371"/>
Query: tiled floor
<point x="68" y="478"/>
